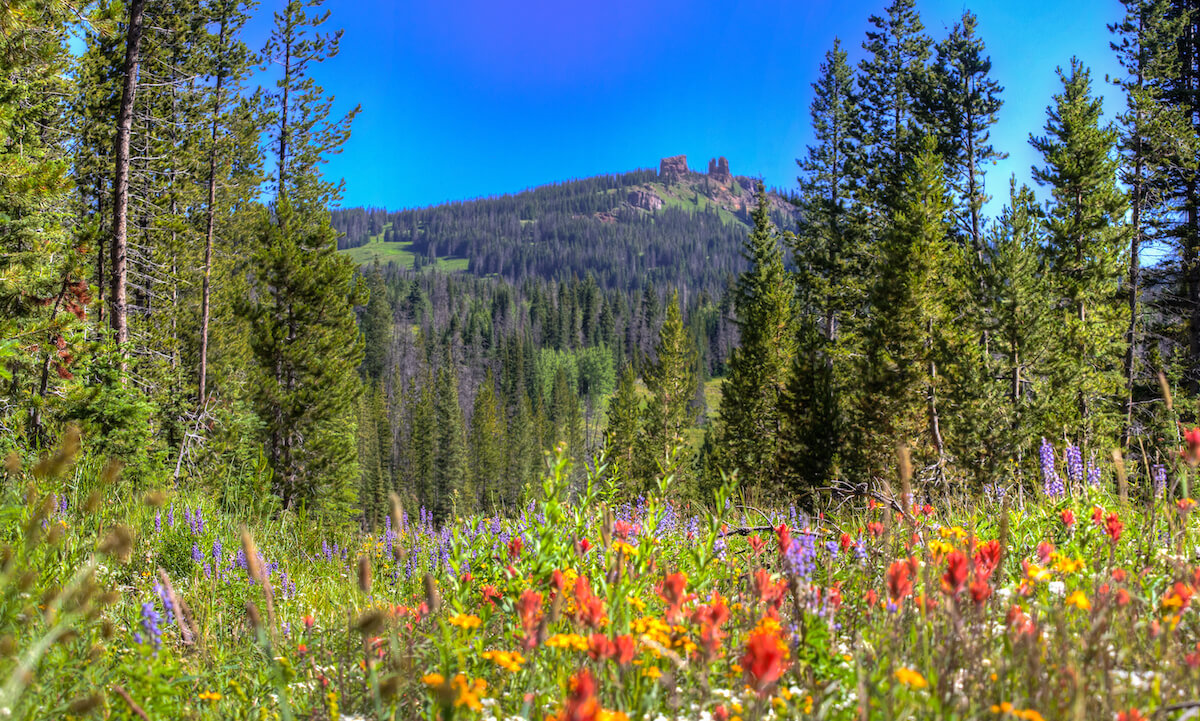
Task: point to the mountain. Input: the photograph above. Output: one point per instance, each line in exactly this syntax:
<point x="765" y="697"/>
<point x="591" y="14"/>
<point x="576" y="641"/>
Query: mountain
<point x="675" y="227"/>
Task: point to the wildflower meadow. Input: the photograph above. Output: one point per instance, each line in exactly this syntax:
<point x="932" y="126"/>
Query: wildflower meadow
<point x="1069" y="601"/>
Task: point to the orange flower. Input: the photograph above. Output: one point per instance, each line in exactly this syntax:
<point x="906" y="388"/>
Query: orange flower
<point x="898" y="581"/>
<point x="766" y="658"/>
<point x="955" y="577"/>
<point x="582" y="704"/>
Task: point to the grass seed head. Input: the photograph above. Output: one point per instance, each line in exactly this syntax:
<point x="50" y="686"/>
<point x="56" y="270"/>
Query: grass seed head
<point x="364" y="574"/>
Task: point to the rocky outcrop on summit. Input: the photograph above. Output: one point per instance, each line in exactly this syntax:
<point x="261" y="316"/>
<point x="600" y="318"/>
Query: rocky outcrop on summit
<point x="673" y="169"/>
<point x="718" y="171"/>
<point x="645" y="200"/>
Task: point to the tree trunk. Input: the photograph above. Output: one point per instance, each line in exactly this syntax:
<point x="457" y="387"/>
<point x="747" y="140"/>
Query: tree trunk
<point x="210" y="222"/>
<point x="133" y="41"/>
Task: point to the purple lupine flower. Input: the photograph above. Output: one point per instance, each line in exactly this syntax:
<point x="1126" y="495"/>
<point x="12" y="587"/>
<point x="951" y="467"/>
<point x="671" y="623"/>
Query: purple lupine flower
<point x="1093" y="472"/>
<point x="216" y="552"/>
<point x="157" y="522"/>
<point x="860" y="550"/>
<point x="1074" y="463"/>
<point x="166" y="601"/>
<point x="801" y="555"/>
<point x="240" y="560"/>
<point x="171" y="516"/>
<point x="197" y="523"/>
<point x="207" y="570"/>
<point x="62" y="505"/>
<point x="197" y="556"/>
<point x="1052" y="482"/>
<point x="1159" y="472"/>
<point x="151" y="621"/>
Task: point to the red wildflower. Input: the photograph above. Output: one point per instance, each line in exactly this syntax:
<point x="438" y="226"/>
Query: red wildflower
<point x="898" y="582"/>
<point x="957" y="567"/>
<point x="1191" y="453"/>
<point x="987" y="557"/>
<point x="980" y="589"/>
<point x="1068" y="517"/>
<point x="589" y="608"/>
<point x="1193" y="658"/>
<point x="769" y="592"/>
<point x="710" y="618"/>
<point x="529" y="609"/>
<point x="514" y="548"/>
<point x="309" y="621"/>
<point x="599" y="647"/>
<point x="625" y="649"/>
<point x="302" y="649"/>
<point x="582" y="546"/>
<point x="720" y="713"/>
<point x="582" y="704"/>
<point x="765" y="659"/>
<point x="1098" y="515"/>
<point x="1045" y="550"/>
<point x="784" y="535"/>
<point x="757" y="544"/>
<point x="871" y="597"/>
<point x="845" y="542"/>
<point x="624" y="529"/>
<point x="671" y="591"/>
<point x="875" y="528"/>
<point x="1122" y="597"/>
<point x="1119" y="575"/>
<point x="490" y="594"/>
<point x="1131" y="715"/>
<point x="1113" y="527"/>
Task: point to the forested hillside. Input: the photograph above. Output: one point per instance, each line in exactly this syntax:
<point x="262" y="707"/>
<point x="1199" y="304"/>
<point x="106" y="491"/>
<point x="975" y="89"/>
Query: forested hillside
<point x="675" y="228"/>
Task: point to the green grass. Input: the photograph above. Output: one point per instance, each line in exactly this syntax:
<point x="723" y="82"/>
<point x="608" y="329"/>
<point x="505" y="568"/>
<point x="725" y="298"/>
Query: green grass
<point x="376" y="250"/>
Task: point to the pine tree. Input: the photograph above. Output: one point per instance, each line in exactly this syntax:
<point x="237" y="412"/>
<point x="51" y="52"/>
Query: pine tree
<point x="450" y="462"/>
<point x="1087" y="256"/>
<point x="891" y="78"/>
<point x="752" y="416"/>
<point x="305" y="339"/>
<point x="671" y="380"/>
<point x="960" y="105"/>
<point x="1156" y="142"/>
<point x="487" y="444"/>
<point x="832" y="257"/>
<point x="43" y="277"/>
<point x="624" y="421"/>
<point x="1017" y="315"/>
<point x="911" y="309"/>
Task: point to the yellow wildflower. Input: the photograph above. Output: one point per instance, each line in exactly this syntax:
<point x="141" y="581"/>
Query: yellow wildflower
<point x="509" y="661"/>
<point x="568" y="640"/>
<point x="209" y="696"/>
<point x="467" y="693"/>
<point x="465" y="621"/>
<point x="625" y="548"/>
<point x="911" y="678"/>
<point x="1079" y="600"/>
<point x="433" y="679"/>
<point x="651" y="672"/>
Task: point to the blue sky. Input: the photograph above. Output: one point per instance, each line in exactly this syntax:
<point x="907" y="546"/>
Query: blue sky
<point x="475" y="98"/>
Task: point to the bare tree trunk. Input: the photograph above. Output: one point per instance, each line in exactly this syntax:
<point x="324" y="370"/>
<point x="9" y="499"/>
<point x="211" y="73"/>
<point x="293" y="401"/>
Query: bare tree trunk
<point x="210" y="223"/>
<point x="133" y="41"/>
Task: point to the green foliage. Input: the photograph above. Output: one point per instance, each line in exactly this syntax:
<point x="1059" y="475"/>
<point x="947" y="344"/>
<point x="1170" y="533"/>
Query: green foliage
<point x="1087" y="254"/>
<point x="751" y="412"/>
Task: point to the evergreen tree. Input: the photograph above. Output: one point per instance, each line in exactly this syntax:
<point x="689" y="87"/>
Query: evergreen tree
<point x="671" y="380"/>
<point x="911" y="308"/>
<point x="1017" y="316"/>
<point x="487" y="444"/>
<point x="43" y="277"/>
<point x="752" y="416"/>
<point x="960" y="105"/>
<point x="450" y="462"/>
<point x="306" y="340"/>
<point x="1156" y="142"/>
<point x="891" y="77"/>
<point x="1087" y="256"/>
<point x="621" y="435"/>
